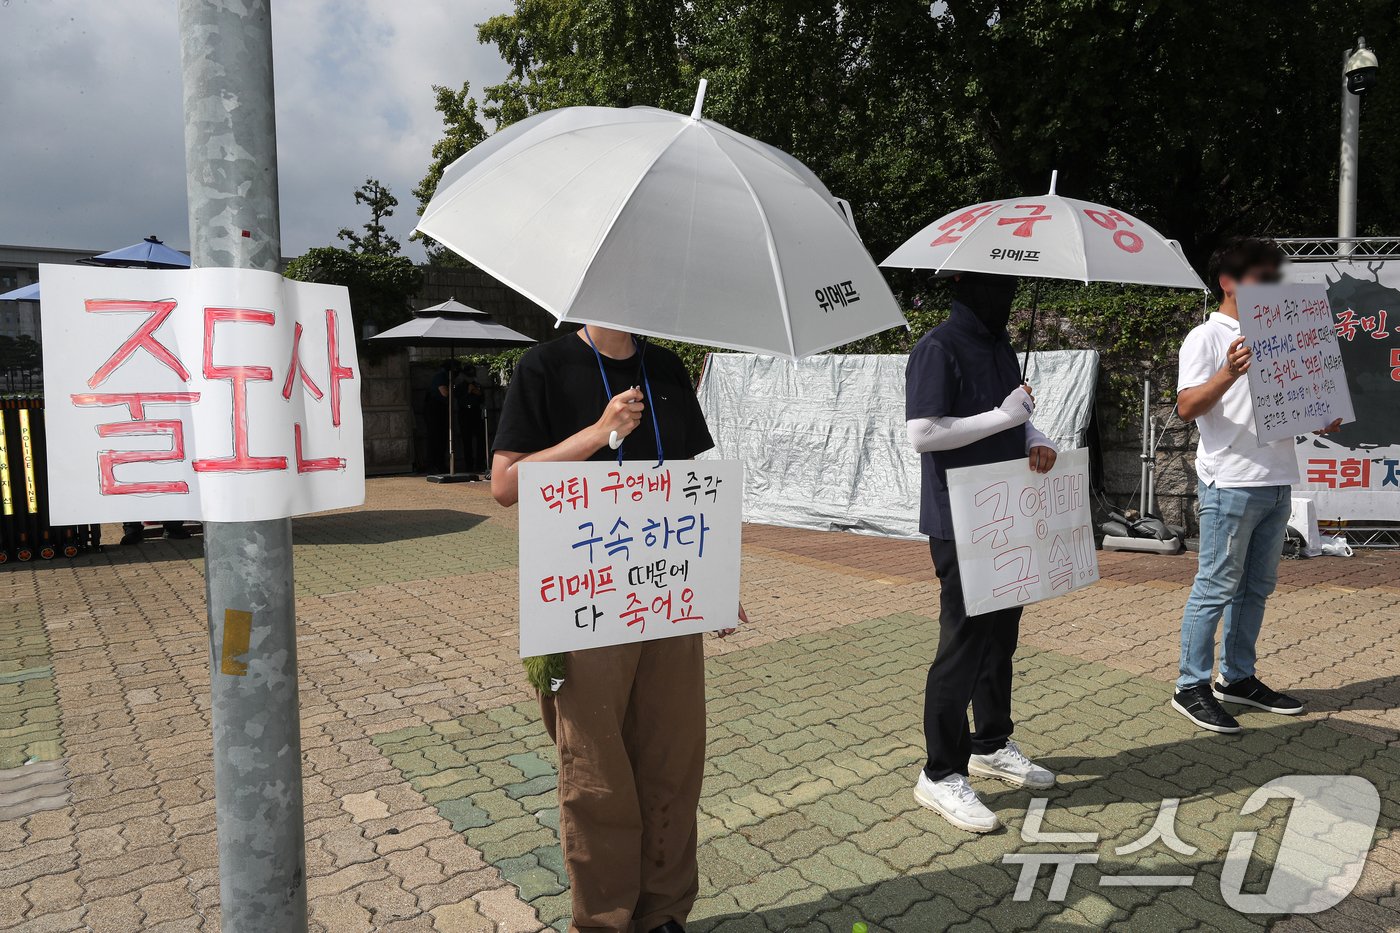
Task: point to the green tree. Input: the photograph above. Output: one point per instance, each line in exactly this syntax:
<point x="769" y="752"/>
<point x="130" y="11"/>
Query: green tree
<point x="1204" y="119"/>
<point x="380" y="279"/>
<point x="461" y="131"/>
<point x="381" y="287"/>
<point x="375" y="241"/>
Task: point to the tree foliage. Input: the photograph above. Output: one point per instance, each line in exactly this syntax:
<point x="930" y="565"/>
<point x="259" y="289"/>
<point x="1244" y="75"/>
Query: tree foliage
<point x="380" y="286"/>
<point x="375" y="241"/>
<point x="462" y="130"/>
<point x="1204" y="119"/>
<point x="382" y="281"/>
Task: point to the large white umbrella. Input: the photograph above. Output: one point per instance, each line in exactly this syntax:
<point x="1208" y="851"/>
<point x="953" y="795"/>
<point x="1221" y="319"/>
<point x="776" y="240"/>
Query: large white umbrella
<point x="663" y="224"/>
<point x="1049" y="237"/>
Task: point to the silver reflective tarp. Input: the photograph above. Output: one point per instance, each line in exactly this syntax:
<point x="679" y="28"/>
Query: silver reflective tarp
<point x="822" y="440"/>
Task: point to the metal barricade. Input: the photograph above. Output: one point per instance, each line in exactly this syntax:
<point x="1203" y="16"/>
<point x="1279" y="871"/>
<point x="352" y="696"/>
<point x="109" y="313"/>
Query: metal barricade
<point x="25" y="532"/>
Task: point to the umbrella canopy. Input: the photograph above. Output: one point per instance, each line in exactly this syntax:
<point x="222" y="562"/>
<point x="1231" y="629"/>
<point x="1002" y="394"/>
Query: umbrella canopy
<point x="150" y="253"/>
<point x="1048" y="237"/>
<point x="451" y="324"/>
<point x="28" y="292"/>
<point x="664" y="224"/>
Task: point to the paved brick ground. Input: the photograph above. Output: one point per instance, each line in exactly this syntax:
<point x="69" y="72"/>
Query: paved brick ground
<point x="429" y="783"/>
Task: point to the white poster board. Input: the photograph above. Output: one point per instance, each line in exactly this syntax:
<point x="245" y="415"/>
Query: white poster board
<point x="1022" y="536"/>
<point x="612" y="554"/>
<point x="1296" y="378"/>
<point x="207" y="394"/>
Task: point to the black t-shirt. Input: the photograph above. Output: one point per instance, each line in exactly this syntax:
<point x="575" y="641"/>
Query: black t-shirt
<point x="557" y="391"/>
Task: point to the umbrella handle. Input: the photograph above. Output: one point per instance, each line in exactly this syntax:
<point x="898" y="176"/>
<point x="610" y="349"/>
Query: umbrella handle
<point x="1030" y="334"/>
<point x="614" y="441"/>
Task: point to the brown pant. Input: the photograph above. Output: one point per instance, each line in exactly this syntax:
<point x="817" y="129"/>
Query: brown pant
<point x="629" y="724"/>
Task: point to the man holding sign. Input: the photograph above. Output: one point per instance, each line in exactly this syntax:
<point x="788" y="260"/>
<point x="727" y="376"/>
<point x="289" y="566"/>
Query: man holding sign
<point x="1245" y="492"/>
<point x="628" y="718"/>
<point x="965" y="406"/>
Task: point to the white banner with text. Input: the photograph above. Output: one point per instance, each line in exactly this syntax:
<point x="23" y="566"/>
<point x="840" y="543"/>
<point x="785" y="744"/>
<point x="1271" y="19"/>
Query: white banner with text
<point x="206" y="394"/>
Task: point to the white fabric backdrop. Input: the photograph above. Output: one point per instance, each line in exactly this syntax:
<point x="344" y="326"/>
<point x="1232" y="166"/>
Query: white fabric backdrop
<point x="822" y="440"/>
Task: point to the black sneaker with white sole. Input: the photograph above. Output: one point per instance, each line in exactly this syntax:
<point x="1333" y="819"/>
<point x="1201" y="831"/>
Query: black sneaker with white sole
<point x="1252" y="692"/>
<point x="1198" y="705"/>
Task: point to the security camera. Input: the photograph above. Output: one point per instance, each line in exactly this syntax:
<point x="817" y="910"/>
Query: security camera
<point x="1361" y="69"/>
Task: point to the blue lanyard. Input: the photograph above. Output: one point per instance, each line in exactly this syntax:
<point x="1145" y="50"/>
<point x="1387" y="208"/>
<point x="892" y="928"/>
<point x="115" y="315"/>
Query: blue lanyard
<point x="646" y="384"/>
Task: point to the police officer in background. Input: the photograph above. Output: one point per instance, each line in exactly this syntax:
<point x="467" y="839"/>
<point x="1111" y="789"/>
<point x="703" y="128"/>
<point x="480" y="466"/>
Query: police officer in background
<point x="965" y="405"/>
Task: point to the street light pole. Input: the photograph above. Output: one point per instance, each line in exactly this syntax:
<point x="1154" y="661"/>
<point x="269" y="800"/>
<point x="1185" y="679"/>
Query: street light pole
<point x="1347" y="169"/>
<point x="1359" y="74"/>
<point x="231" y="168"/>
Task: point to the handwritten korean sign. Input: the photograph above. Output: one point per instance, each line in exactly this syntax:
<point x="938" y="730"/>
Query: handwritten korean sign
<point x="612" y="554"/>
<point x="1296" y="379"/>
<point x="1022" y="536"/>
<point x="207" y="394"/>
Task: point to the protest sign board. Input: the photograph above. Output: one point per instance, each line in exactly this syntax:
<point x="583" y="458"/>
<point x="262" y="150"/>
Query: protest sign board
<point x="206" y="394"/>
<point x="1296" y="379"/>
<point x="618" y="553"/>
<point x="1022" y="536"/>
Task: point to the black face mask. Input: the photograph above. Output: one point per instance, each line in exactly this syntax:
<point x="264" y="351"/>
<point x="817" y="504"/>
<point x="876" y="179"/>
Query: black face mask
<point x="987" y="296"/>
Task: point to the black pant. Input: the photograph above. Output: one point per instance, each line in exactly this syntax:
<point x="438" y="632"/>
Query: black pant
<point x="973" y="664"/>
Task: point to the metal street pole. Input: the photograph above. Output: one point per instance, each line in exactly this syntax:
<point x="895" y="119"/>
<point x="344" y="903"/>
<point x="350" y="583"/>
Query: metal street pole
<point x="231" y="166"/>
<point x="1346" y="175"/>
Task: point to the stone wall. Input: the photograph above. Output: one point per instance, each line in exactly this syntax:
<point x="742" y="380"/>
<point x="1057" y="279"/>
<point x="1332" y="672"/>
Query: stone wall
<point x="1120" y="446"/>
<point x="384" y="395"/>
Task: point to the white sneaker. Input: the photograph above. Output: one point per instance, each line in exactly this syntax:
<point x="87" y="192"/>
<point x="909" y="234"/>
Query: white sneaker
<point x="954" y="799"/>
<point x="1010" y="765"/>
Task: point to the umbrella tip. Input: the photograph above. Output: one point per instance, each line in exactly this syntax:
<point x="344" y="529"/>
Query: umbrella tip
<point x="1054" y="177"/>
<point x="699" y="99"/>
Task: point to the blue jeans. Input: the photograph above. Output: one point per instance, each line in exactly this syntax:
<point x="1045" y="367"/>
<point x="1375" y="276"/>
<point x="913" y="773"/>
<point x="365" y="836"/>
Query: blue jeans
<point x="1242" y="533"/>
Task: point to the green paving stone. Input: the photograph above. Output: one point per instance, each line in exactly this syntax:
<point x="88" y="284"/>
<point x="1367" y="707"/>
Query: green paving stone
<point x="498" y="804"/>
<point x="458" y="788"/>
<point x="540" y="785"/>
<point x="526" y="873"/>
<point x="462" y="814"/>
<point x="531" y="765"/>
<point x="552" y="858"/>
<point x="521" y="841"/>
<point x="549" y="818"/>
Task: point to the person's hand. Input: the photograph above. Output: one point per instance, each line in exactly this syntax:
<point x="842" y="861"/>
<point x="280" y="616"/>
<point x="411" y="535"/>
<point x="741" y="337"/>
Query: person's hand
<point x="743" y="617"/>
<point x="1042" y="459"/>
<point x="622" y="415"/>
<point x="1237" y="358"/>
<point x="1020" y="404"/>
<point x="1331" y="428"/>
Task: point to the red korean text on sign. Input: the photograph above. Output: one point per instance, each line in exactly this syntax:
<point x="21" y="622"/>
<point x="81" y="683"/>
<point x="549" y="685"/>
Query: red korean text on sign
<point x="238" y="377"/>
<point x="954" y="227"/>
<point x="1025" y="224"/>
<point x="143" y="338"/>
<point x="295" y="368"/>
<point x="1124" y="239"/>
<point x="109" y="460"/>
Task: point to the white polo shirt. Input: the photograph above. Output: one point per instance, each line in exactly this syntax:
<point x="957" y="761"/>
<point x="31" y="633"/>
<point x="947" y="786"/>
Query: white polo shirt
<point x="1229" y="453"/>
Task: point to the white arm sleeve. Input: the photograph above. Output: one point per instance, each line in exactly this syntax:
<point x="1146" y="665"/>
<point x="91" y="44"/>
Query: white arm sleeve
<point x="1036" y="438"/>
<point x="928" y="434"/>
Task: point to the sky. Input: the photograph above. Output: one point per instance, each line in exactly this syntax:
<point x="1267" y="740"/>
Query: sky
<point x="91" y="134"/>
